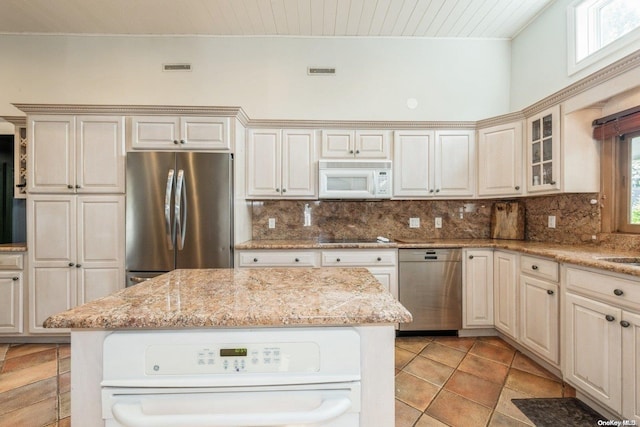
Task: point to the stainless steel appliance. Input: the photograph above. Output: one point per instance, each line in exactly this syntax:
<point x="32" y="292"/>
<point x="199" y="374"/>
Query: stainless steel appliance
<point x="179" y="212"/>
<point x="267" y="377"/>
<point x="430" y="287"/>
<point x="355" y="179"/>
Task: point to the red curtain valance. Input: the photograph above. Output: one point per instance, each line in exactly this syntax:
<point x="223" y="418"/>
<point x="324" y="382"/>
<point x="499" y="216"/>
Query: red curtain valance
<point x="618" y="124"/>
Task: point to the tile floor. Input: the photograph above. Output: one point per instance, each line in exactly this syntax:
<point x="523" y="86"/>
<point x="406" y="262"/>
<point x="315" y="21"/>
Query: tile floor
<point x="439" y="381"/>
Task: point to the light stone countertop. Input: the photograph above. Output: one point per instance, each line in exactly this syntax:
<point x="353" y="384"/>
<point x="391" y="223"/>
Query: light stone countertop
<point x="582" y="255"/>
<point x="13" y="247"/>
<point x="253" y="297"/>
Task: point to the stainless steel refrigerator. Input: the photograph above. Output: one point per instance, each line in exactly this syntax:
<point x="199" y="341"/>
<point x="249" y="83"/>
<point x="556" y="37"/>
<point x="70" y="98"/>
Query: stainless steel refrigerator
<point x="179" y="212"/>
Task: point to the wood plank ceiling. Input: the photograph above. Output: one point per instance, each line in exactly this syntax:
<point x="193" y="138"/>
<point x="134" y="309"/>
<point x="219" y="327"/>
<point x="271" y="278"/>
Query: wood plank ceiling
<point x="315" y="18"/>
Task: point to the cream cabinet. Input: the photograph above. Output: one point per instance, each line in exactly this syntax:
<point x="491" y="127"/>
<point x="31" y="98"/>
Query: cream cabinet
<point x="75" y="154"/>
<point x="76" y="252"/>
<point x="477" y="288"/>
<point x="500" y="160"/>
<point x="505" y="292"/>
<point x="180" y="133"/>
<point x="434" y="164"/>
<point x="543" y="151"/>
<point x="278" y="258"/>
<point x="11" y="293"/>
<point x="281" y="164"/>
<point x="360" y="144"/>
<point x="602" y="336"/>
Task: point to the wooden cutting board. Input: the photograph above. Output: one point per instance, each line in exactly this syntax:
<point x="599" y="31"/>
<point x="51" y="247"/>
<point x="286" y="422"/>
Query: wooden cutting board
<point x="507" y="220"/>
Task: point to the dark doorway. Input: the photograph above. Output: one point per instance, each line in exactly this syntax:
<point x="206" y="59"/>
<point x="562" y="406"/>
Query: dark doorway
<point x="12" y="211"/>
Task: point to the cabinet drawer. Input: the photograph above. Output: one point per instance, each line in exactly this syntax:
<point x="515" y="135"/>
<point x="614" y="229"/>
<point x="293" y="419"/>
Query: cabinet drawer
<point x="616" y="290"/>
<point x="277" y="259"/>
<point x="358" y="258"/>
<point x="11" y="262"/>
<point x="539" y="267"/>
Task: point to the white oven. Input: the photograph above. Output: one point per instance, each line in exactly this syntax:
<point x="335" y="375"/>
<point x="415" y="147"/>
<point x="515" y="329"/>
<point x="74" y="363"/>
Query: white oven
<point x="232" y="377"/>
<point x="355" y="179"/>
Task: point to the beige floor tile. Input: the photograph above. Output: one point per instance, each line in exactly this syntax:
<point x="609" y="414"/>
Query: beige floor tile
<point x="568" y="391"/>
<point x="406" y="416"/>
<point x="402" y="357"/>
<point x="533" y="385"/>
<point x="459" y="343"/>
<point x="64" y="405"/>
<point x="413" y="344"/>
<point x="501" y="420"/>
<point x="64" y="350"/>
<point x="496" y="341"/>
<point x="18" y="350"/>
<point x="506" y="407"/>
<point x="39" y="414"/>
<point x="493" y="352"/>
<point x="64" y="382"/>
<point x="427" y="420"/>
<point x="525" y="363"/>
<point x="457" y="411"/>
<point x="430" y="370"/>
<point x="27" y="360"/>
<point x="443" y="354"/>
<point x="474" y="388"/>
<point x="64" y="365"/>
<point x="484" y="368"/>
<point x="3" y="351"/>
<point x="415" y="391"/>
<point x="28" y="375"/>
<point x="27" y="395"/>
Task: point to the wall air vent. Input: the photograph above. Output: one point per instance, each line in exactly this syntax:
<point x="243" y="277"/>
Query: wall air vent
<point x="176" y="67"/>
<point x="321" y="71"/>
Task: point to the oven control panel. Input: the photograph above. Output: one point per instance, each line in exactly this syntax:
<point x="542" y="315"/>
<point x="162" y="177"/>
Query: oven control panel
<point x="188" y="359"/>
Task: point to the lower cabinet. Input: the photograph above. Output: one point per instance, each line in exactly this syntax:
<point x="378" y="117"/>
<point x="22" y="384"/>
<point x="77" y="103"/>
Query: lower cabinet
<point x="505" y="292"/>
<point x="477" y="288"/>
<point x="540" y="317"/>
<point x="11" y="293"/>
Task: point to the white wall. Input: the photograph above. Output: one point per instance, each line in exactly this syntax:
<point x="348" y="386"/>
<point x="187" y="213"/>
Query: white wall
<point x="539" y="58"/>
<point x="451" y="79"/>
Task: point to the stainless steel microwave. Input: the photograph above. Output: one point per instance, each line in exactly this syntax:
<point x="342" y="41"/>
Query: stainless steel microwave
<point x="355" y="179"/>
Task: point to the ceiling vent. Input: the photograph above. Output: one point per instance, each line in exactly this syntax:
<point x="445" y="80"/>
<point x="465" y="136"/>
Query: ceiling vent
<point x="176" y="67"/>
<point x="321" y="71"/>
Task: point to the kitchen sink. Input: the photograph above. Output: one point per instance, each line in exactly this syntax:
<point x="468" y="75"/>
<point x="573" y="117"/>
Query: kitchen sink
<point x="622" y="260"/>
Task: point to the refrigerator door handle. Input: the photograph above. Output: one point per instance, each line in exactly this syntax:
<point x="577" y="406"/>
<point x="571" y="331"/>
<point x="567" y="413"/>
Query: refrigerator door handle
<point x="181" y="210"/>
<point x="169" y="230"/>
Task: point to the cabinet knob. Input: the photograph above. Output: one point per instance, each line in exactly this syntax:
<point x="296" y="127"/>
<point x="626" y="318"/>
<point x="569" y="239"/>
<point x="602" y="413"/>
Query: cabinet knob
<point x="337" y="259"/>
<point x="534" y="267"/>
<point x="182" y="141"/>
<point x="78" y="186"/>
<point x="255" y="260"/>
<point x="284" y="190"/>
<point x="624" y="324"/>
<point x="470" y="256"/>
<point x="175" y="141"/>
<point x="15" y="278"/>
<point x="297" y="259"/>
<point x="438" y="190"/>
<point x="552" y="183"/>
<point x="618" y="292"/>
<point x="517" y="187"/>
<point x="78" y="265"/>
<point x="431" y="191"/>
<point x="609" y="318"/>
<point x="71" y="264"/>
<point x="379" y="259"/>
<point x="277" y="190"/>
<point x="357" y="151"/>
<point x="550" y="292"/>
<point x="69" y="186"/>
<point x="350" y="151"/>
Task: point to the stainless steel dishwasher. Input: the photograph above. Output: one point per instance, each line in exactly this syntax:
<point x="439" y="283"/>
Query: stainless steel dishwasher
<point x="430" y="287"/>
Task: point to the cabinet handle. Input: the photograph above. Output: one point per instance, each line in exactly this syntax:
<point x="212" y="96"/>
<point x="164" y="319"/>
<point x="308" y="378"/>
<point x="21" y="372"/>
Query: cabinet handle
<point x="552" y="183"/>
<point x="517" y="187"/>
<point x="69" y="186"/>
<point x="77" y="186"/>
<point x="618" y="292"/>
<point x="337" y="259"/>
<point x="71" y="264"/>
<point x="175" y="141"/>
<point x="255" y="260"/>
<point x="182" y="141"/>
<point x="470" y="256"/>
<point x="297" y="259"/>
<point x="624" y="324"/>
<point x="609" y="318"/>
<point x="534" y="267"/>
<point x="550" y="292"/>
<point x="379" y="259"/>
<point x="15" y="278"/>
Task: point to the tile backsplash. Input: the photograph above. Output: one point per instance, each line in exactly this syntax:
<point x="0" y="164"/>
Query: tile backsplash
<point x="577" y="220"/>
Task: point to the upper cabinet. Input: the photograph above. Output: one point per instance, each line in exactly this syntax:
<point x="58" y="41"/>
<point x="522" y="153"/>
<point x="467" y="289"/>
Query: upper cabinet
<point x="76" y="154"/>
<point x="281" y="164"/>
<point x="434" y="164"/>
<point x="500" y="160"/>
<point x="543" y="151"/>
<point x="174" y="133"/>
<point x="349" y="144"/>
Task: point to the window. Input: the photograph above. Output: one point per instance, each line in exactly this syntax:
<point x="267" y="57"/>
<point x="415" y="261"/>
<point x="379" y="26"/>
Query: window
<point x="628" y="184"/>
<point x="601" y="28"/>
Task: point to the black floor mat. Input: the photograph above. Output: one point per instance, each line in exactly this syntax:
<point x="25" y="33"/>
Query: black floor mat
<point x="567" y="411"/>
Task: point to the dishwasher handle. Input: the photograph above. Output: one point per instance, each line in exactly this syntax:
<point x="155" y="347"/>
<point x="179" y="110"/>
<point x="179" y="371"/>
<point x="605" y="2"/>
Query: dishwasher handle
<point x="131" y="414"/>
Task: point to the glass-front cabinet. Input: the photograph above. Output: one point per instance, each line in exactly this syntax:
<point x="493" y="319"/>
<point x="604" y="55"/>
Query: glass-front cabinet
<point x="543" y="151"/>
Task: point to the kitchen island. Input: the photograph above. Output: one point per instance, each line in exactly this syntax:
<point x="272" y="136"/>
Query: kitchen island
<point x="313" y="303"/>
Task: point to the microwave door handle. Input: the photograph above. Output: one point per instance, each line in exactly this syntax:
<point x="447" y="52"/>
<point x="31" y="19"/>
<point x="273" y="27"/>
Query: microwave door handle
<point x="181" y="210"/>
<point x="169" y="230"/>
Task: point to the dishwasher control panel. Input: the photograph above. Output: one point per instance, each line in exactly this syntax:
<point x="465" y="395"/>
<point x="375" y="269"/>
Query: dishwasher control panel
<point x="187" y="359"/>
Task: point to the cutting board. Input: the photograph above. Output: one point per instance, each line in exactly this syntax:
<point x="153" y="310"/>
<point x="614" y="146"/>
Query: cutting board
<point x="507" y="220"/>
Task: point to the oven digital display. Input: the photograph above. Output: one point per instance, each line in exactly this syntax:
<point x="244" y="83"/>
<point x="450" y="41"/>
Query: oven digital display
<point x="227" y="352"/>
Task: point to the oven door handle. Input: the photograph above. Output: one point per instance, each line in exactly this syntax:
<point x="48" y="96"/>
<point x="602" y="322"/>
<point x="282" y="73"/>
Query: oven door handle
<point x="131" y="414"/>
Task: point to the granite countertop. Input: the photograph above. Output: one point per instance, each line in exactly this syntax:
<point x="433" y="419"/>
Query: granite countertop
<point x="242" y="298"/>
<point x="13" y="247"/>
<point x="583" y="255"/>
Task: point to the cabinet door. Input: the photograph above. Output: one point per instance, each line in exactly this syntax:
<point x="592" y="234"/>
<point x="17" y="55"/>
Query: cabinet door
<point x="51" y="291"/>
<point x="51" y="230"/>
<point x="592" y="357"/>
<point x="206" y="133"/>
<point x="539" y="317"/>
<point x="338" y="144"/>
<point x="477" y="288"/>
<point x="97" y="282"/>
<point x="543" y="151"/>
<point x="51" y="154"/>
<point x="100" y="155"/>
<point x="412" y="155"/>
<point x="263" y="163"/>
<point x="372" y="144"/>
<point x="388" y="277"/>
<point x="505" y="297"/>
<point x="299" y="173"/>
<point x="11" y="302"/>
<point x="500" y="160"/>
<point x="631" y="366"/>
<point x="155" y="132"/>
<point x="454" y="166"/>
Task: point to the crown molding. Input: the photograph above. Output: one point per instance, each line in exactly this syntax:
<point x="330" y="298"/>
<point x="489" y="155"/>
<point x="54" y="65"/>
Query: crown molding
<point x="360" y="124"/>
<point x="500" y="120"/>
<point x="15" y="120"/>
